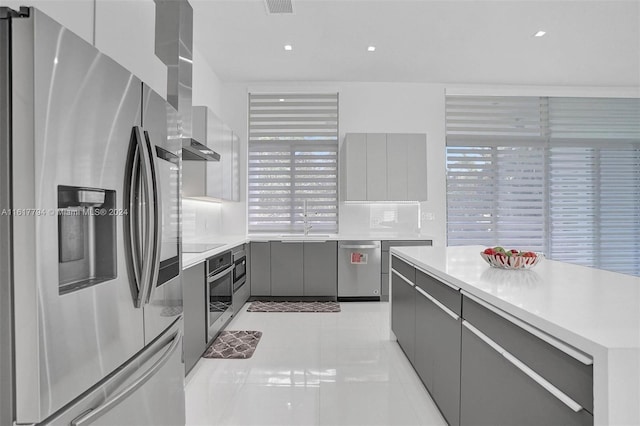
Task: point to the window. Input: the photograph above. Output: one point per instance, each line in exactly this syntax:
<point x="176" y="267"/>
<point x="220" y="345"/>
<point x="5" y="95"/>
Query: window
<point x="293" y="162"/>
<point x="559" y="175"/>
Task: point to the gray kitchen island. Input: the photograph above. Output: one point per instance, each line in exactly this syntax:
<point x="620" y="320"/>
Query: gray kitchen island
<point x="557" y="344"/>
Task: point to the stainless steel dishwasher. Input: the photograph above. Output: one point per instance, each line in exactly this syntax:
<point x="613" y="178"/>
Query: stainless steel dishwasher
<point x="359" y="270"/>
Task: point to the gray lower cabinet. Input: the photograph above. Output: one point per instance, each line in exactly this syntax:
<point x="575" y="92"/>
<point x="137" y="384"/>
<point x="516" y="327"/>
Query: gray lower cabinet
<point x="320" y="267"/>
<point x="384" y="273"/>
<point x="260" y="268"/>
<point x="194" y="307"/>
<point x="437" y="351"/>
<point x="479" y="367"/>
<point x="287" y="269"/>
<point x="496" y="392"/>
<point x="403" y="314"/>
<point x="294" y="269"/>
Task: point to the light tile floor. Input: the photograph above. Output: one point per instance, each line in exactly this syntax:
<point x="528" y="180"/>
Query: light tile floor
<point x="312" y="369"/>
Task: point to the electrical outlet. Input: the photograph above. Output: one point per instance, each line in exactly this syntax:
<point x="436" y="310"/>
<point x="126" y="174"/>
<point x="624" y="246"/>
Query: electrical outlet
<point x="428" y="216"/>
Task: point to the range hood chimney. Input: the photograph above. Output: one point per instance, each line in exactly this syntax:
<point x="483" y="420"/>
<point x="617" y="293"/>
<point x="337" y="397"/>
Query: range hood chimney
<point x="174" y="47"/>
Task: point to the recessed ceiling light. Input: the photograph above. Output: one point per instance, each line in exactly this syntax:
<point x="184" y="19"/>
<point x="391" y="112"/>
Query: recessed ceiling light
<point x="371" y="49"/>
<point x="288" y="47"/>
<point x="540" y="33"/>
<point x="281" y="100"/>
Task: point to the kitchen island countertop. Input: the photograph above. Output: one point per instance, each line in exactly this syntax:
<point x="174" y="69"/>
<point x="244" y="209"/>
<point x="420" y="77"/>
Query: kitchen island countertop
<point x="595" y="311"/>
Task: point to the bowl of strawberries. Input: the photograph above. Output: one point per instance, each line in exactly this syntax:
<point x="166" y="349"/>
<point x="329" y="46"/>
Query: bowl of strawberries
<point x="498" y="257"/>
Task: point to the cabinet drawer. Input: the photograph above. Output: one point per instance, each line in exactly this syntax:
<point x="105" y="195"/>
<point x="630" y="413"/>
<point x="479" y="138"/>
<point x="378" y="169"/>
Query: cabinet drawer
<point x="407" y="270"/>
<point x="494" y="391"/>
<point x="446" y="295"/>
<point x="562" y="370"/>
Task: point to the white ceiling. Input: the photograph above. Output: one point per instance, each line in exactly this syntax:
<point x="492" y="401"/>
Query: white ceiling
<point x="465" y="42"/>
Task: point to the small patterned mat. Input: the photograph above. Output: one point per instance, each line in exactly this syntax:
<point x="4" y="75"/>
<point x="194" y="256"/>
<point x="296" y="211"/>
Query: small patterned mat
<point x="294" y="307"/>
<point x="234" y="345"/>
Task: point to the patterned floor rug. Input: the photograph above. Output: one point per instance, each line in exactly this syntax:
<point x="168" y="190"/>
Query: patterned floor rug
<point x="294" y="307"/>
<point x="234" y="345"/>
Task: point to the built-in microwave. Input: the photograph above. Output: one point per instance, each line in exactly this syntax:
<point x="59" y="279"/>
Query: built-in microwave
<point x="239" y="269"/>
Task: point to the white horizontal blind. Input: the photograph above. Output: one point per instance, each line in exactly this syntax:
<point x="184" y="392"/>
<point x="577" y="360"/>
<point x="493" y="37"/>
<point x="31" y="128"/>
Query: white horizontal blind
<point x="293" y="161"/>
<point x="594" y="182"/>
<point x="567" y="170"/>
<point x="495" y="171"/>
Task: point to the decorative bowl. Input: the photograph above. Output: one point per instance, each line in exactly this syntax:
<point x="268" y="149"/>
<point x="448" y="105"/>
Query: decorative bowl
<point x="512" y="262"/>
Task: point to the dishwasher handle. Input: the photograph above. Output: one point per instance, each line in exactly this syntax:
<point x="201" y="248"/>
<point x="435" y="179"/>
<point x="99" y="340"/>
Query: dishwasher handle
<point x="359" y="246"/>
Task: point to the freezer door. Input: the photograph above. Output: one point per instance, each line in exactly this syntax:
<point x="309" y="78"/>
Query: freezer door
<point x="73" y="111"/>
<point x="162" y="128"/>
<point x="147" y="391"/>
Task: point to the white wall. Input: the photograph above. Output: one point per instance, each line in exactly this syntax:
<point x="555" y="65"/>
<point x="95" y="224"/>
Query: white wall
<point x="76" y="15"/>
<point x="206" y="84"/>
<point x="373" y="107"/>
<point x="126" y="31"/>
<point x="203" y="221"/>
<point x="396" y="107"/>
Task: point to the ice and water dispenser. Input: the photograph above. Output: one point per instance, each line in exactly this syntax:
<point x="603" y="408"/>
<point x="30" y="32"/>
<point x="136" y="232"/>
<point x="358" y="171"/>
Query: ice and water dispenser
<point x="86" y="237"/>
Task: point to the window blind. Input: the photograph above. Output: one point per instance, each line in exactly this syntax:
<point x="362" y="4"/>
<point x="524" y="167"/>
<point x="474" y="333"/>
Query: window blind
<point x="559" y="175"/>
<point x="293" y="162"/>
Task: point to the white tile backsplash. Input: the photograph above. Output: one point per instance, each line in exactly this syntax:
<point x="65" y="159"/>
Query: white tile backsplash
<point x="379" y="217"/>
<point x="201" y="220"/>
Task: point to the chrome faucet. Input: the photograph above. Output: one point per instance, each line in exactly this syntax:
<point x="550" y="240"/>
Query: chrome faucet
<point x="305" y="217"/>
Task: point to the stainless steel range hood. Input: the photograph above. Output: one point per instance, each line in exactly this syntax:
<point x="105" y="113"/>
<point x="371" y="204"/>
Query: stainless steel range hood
<point x="194" y="150"/>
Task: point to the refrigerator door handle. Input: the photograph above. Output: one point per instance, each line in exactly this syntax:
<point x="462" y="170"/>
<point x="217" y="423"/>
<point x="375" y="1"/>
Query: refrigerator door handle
<point x="94" y="414"/>
<point x="136" y="226"/>
<point x="155" y="212"/>
<point x="149" y="225"/>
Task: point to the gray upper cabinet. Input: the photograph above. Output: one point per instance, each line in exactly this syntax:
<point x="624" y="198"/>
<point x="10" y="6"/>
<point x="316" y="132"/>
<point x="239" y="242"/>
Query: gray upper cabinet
<point x="213" y="179"/>
<point x="376" y="155"/>
<point x="287" y="269"/>
<point x="354" y="166"/>
<point x="397" y="158"/>
<point x="384" y="167"/>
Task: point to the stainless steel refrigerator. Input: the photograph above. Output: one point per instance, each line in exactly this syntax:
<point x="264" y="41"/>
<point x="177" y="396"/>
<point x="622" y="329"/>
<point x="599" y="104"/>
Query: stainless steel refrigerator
<point x="90" y="284"/>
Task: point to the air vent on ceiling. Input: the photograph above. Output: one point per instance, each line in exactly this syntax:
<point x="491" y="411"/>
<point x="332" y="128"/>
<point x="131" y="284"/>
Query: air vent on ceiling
<point x="279" y="6"/>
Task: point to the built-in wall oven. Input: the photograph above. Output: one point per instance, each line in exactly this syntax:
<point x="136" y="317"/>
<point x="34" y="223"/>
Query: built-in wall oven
<point x="239" y="268"/>
<point x="219" y="292"/>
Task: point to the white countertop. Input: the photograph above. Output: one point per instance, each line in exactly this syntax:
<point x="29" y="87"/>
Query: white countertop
<point x="231" y="241"/>
<point x="228" y="242"/>
<point x="596" y="311"/>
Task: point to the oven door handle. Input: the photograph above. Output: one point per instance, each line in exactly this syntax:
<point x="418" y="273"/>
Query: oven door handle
<point x="220" y="274"/>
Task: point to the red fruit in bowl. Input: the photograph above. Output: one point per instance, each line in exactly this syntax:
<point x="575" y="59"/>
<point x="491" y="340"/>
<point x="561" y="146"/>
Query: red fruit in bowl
<point x="529" y="254"/>
<point x="513" y="251"/>
<point x="489" y="251"/>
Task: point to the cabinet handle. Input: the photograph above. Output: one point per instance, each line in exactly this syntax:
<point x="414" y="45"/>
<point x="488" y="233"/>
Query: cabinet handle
<point x="438" y="304"/>
<point x="407" y="280"/>
<point x="359" y="246"/>
<point x="563" y="397"/>
<point x="569" y="350"/>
